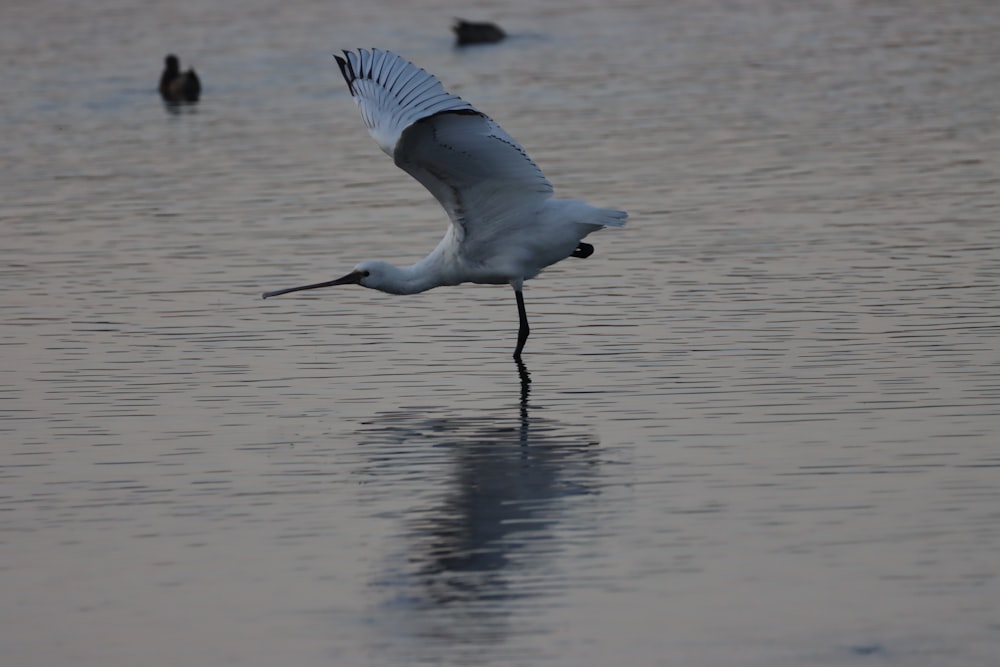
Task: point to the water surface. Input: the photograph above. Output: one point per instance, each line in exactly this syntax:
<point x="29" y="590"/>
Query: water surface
<point x="761" y="424"/>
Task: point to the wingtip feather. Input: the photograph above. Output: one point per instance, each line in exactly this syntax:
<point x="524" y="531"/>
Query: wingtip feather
<point x="345" y="71"/>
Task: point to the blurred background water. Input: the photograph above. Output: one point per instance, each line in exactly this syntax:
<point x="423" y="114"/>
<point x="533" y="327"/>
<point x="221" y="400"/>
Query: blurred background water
<point x="762" y="422"/>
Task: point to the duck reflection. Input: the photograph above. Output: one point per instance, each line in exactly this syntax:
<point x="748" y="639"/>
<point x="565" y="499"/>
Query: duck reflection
<point x="483" y="545"/>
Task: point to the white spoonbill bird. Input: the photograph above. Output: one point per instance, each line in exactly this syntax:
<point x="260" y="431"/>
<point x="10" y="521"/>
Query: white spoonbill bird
<point x="505" y="226"/>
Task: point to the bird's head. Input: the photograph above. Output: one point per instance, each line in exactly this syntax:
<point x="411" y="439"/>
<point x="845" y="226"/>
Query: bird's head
<point x="372" y="274"/>
<point x="381" y="276"/>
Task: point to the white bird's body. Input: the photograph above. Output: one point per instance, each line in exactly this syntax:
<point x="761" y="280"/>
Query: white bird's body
<point x="506" y="227"/>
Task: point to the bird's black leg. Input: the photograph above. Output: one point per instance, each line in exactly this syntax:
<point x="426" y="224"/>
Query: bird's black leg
<point x="523" y="331"/>
<point x="525" y="376"/>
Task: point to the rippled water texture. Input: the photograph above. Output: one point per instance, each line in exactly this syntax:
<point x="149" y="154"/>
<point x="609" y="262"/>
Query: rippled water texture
<point x="762" y="421"/>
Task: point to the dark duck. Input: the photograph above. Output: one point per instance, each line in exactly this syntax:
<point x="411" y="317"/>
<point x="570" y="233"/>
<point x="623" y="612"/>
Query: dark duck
<point x="467" y="33"/>
<point x="177" y="86"/>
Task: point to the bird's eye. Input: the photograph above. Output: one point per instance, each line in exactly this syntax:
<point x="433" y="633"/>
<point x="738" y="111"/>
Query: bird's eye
<point x="365" y="274"/>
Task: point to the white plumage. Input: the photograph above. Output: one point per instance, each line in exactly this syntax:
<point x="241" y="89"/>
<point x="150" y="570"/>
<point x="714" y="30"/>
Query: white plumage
<point x="505" y="226"/>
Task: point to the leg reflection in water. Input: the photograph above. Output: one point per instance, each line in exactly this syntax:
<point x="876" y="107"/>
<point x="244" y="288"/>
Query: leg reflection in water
<point x="482" y="493"/>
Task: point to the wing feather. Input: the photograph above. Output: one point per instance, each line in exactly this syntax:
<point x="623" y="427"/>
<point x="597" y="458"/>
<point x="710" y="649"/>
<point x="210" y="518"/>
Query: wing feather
<point x="483" y="178"/>
<point x="393" y="93"/>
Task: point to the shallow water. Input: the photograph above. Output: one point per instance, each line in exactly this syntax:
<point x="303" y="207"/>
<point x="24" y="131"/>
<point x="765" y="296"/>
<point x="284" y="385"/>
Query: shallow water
<point x="761" y="427"/>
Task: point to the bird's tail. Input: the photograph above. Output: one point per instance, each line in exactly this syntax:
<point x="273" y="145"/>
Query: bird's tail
<point x="583" y="213"/>
<point x="587" y="218"/>
<point x="600" y="217"/>
<point x="609" y="217"/>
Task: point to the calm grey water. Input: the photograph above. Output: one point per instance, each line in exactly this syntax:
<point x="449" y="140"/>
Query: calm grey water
<point x="762" y="427"/>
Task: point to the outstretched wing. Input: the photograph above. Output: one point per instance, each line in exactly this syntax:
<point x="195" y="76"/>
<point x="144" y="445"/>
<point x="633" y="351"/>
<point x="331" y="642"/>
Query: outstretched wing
<point x="482" y="177"/>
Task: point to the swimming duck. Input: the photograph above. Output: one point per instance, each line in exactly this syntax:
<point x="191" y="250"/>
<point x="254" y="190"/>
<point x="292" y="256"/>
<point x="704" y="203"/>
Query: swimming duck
<point x="467" y="33"/>
<point x="177" y="86"/>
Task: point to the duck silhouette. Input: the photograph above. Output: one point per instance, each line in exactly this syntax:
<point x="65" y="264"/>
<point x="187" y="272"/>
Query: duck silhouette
<point x="177" y="86"/>
<point x="467" y="32"/>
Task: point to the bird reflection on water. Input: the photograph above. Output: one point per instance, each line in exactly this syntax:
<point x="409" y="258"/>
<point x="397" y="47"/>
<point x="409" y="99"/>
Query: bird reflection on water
<point x="477" y="544"/>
